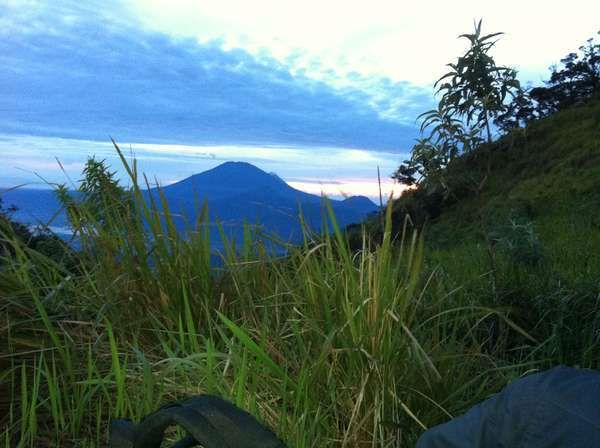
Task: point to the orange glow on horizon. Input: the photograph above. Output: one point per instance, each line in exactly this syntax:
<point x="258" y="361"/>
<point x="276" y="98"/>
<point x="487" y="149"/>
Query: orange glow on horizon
<point x="351" y="187"/>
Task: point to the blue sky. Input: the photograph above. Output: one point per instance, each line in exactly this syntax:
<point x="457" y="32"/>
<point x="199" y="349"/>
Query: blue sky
<point x="338" y="81"/>
<point x="71" y="72"/>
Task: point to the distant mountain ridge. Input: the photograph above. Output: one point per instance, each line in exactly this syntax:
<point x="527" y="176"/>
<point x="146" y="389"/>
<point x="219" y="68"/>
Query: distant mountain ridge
<point x="227" y="179"/>
<point x="235" y="192"/>
<point x="359" y="202"/>
<point x="239" y="192"/>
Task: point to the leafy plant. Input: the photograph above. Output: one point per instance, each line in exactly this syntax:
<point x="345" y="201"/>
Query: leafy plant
<point x="99" y="196"/>
<point x="472" y="94"/>
<point x="431" y="155"/>
<point x="576" y="81"/>
<point x="518" y="239"/>
<point x="520" y="111"/>
<point x="476" y="89"/>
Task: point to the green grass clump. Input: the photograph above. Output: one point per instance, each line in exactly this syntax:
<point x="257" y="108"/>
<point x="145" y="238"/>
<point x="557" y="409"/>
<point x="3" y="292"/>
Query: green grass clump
<point x="329" y="346"/>
<point x="334" y="344"/>
<point x="519" y="230"/>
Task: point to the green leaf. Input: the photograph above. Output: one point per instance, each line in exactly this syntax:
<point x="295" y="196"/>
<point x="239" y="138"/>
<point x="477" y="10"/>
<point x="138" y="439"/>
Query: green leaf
<point x="254" y="348"/>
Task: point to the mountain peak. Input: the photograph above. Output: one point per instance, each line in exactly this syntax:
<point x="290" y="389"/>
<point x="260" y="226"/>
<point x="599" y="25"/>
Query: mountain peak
<point x="229" y="178"/>
<point x="360" y="202"/>
<point x="236" y="168"/>
<point x="234" y="164"/>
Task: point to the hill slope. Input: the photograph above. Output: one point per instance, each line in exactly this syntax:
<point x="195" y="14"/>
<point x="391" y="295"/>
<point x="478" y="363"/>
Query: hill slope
<point x="550" y="171"/>
<point x="528" y="240"/>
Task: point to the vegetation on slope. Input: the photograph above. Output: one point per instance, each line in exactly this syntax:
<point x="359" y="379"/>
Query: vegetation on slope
<point x="521" y="230"/>
<point x="515" y="223"/>
<point x="327" y="346"/>
<point x="552" y="167"/>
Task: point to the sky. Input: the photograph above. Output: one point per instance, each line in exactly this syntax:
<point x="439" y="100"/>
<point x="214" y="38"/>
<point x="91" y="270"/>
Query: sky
<point x="320" y="92"/>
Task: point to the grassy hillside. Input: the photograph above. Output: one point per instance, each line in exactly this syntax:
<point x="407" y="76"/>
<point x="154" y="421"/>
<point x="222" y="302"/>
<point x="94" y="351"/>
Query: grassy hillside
<point x="332" y="345"/>
<point x="550" y="169"/>
<point x="521" y="229"/>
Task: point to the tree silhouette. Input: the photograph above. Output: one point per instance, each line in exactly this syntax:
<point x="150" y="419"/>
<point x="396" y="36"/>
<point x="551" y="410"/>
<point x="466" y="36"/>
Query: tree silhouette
<point x="520" y="111"/>
<point x="575" y="81"/>
<point x="472" y="94"/>
<point x="476" y="88"/>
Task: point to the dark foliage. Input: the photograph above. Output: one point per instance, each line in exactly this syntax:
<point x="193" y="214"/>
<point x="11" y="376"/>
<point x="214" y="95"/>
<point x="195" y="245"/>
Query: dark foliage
<point x="476" y="88"/>
<point x="99" y="197"/>
<point x="573" y="82"/>
<point x="472" y="94"/>
<point x="520" y="111"/>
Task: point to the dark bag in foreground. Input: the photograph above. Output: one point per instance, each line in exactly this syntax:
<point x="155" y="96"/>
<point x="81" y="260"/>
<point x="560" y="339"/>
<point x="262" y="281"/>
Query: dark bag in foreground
<point x="558" y="408"/>
<point x="209" y="421"/>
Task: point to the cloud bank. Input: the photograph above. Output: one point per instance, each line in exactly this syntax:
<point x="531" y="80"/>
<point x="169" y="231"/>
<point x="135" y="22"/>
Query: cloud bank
<point x="33" y="161"/>
<point x="90" y="71"/>
<point x="401" y="40"/>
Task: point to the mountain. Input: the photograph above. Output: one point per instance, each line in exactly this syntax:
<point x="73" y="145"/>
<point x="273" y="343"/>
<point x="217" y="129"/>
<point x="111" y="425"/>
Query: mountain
<point x="359" y="203"/>
<point x="238" y="192"/>
<point x="226" y="180"/>
<point x="235" y="192"/>
<point x="35" y="207"/>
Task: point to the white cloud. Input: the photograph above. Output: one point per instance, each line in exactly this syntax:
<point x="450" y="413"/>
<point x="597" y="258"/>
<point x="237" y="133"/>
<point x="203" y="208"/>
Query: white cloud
<point x="333" y="171"/>
<point x="402" y="40"/>
<point x="350" y="187"/>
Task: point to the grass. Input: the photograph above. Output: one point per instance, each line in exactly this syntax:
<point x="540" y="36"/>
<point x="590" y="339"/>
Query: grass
<point x="545" y="179"/>
<point x="528" y="240"/>
<point x="547" y="172"/>
<point x="336" y="344"/>
<point x="328" y="346"/>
